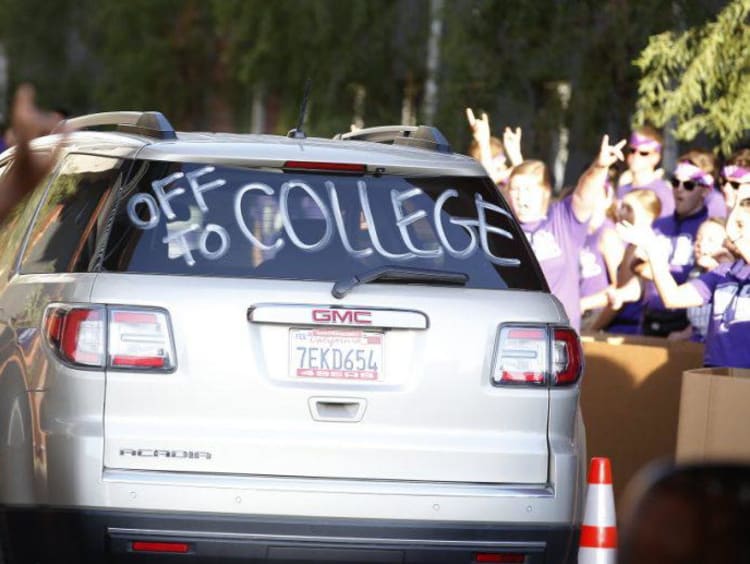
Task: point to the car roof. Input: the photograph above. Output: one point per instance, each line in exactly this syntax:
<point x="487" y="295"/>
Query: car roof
<point x="263" y="150"/>
<point x="275" y="150"/>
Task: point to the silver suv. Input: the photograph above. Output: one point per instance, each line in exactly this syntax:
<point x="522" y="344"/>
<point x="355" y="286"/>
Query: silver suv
<point x="250" y="348"/>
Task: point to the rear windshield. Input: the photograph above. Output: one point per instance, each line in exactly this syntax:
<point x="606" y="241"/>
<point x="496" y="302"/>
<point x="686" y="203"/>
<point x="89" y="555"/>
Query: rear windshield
<point x="194" y="219"/>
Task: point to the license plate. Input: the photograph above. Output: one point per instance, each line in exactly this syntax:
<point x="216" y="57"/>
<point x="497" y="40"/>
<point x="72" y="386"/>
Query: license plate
<point x="336" y="354"/>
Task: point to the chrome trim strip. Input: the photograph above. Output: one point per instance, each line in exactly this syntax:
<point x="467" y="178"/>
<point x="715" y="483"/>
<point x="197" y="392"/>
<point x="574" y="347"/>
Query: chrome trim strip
<point x="337" y="316"/>
<point x="326" y="485"/>
<point x="214" y="535"/>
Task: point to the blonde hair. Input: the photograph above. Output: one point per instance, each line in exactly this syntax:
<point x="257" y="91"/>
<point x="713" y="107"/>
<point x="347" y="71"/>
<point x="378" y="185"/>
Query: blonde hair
<point x="648" y="200"/>
<point x="533" y="168"/>
<point x="496" y="148"/>
<point x="703" y="159"/>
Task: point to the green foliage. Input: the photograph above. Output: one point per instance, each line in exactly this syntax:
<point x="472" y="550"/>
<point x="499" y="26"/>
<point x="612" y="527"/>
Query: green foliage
<point x="700" y="78"/>
<point x="338" y="44"/>
<point x="201" y="62"/>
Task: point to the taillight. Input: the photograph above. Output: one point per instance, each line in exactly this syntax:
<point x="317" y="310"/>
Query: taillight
<point x="115" y="337"/>
<point x="526" y="354"/>
<point x="521" y="355"/>
<point x="567" y="357"/>
<point x="139" y="339"/>
<point x="76" y="334"/>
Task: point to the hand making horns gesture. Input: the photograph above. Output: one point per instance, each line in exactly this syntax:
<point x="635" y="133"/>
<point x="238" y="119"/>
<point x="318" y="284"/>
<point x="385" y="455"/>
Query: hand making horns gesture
<point x="609" y="154"/>
<point x="480" y="128"/>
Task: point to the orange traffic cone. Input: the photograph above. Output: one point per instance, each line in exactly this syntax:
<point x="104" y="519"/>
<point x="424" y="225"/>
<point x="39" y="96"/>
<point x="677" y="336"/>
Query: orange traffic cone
<point x="599" y="529"/>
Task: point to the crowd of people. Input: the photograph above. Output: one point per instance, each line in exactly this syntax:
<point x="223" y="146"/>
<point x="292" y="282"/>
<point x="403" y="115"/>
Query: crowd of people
<point x="632" y="249"/>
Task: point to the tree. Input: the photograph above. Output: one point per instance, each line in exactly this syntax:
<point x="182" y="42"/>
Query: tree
<point x="700" y="78"/>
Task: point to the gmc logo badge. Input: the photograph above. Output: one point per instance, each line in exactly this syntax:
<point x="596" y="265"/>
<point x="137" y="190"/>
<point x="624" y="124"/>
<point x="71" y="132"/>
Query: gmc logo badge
<point x="342" y="316"/>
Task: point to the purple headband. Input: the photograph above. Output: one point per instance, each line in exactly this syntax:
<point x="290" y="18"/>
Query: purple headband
<point x="736" y="173"/>
<point x="638" y="141"/>
<point x="688" y="171"/>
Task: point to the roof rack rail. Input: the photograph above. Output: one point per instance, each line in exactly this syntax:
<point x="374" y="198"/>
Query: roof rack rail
<point x="150" y="124"/>
<point x="422" y="136"/>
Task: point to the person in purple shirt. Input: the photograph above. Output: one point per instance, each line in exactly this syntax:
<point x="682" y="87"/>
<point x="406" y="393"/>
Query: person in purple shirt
<point x="734" y="174"/>
<point x="640" y="208"/>
<point x="557" y="231"/>
<point x="644" y="154"/>
<point x="599" y="259"/>
<point x="676" y="236"/>
<point x="706" y="161"/>
<point x="727" y="288"/>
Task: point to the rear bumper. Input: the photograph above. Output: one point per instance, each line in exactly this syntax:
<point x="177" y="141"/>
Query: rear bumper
<point x="61" y="536"/>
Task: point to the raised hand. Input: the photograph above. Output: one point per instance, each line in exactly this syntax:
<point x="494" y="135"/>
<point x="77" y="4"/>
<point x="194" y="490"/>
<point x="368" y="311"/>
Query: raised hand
<point x="29" y="167"/>
<point x="642" y="237"/>
<point x="609" y="154"/>
<point x="480" y="128"/>
<point x="512" y="144"/>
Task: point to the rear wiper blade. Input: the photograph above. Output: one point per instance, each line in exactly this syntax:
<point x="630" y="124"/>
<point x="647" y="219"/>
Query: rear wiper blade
<point x="399" y="274"/>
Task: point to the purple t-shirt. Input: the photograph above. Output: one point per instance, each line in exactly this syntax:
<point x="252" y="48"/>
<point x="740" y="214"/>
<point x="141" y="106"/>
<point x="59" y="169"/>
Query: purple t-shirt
<point x="557" y="240"/>
<point x="727" y="288"/>
<point x="662" y="190"/>
<point x="678" y="236"/>
<point x="594" y="276"/>
<point x="717" y="206"/>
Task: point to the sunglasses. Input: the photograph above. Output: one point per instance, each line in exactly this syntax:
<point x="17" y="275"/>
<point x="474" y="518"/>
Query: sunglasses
<point x="689" y="185"/>
<point x="733" y="183"/>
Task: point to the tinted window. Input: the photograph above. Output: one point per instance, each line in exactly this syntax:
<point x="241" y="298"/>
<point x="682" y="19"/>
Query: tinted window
<point x="65" y="231"/>
<point x="205" y="220"/>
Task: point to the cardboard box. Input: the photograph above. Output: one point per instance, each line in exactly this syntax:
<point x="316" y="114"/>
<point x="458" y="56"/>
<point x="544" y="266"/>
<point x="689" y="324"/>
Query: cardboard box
<point x="631" y="398"/>
<point x="714" y="408"/>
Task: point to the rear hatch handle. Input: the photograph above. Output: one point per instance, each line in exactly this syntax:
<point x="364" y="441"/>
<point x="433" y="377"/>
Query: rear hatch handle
<point x="399" y="274"/>
<point x="334" y="409"/>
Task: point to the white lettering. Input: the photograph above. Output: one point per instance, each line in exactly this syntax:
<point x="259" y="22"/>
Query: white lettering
<point x="484" y="228"/>
<point x="179" y="240"/>
<point x="286" y="188"/>
<point x="163" y="197"/>
<point x="331" y="218"/>
<point x="153" y="211"/>
<point x="268" y="191"/>
<point x="465" y="223"/>
<point x="723" y="296"/>
<point x="372" y="230"/>
<point x="403" y="221"/>
<point x="339" y="219"/>
<point x="223" y="245"/>
<point x="198" y="189"/>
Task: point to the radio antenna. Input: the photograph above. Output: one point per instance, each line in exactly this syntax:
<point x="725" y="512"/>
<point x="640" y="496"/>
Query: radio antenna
<point x="297" y="132"/>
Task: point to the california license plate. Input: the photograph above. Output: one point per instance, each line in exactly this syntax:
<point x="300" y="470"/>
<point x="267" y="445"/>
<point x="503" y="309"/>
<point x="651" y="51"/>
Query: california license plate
<point x="336" y="354"/>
